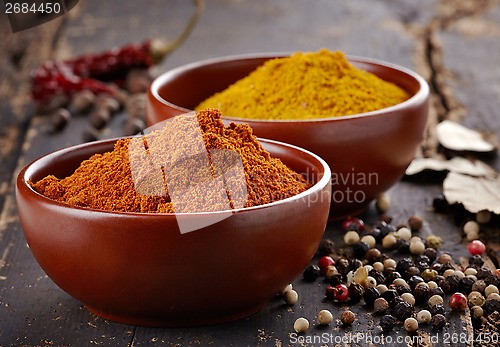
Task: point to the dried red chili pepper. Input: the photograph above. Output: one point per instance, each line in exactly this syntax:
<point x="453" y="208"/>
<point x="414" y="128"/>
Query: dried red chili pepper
<point x="91" y="71"/>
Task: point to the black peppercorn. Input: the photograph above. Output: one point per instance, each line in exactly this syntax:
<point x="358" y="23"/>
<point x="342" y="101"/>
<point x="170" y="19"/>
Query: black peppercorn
<point x="491" y="306"/>
<point x="356" y="291"/>
<point x="370" y="295"/>
<point x="311" y="273"/>
<point x="402" y="310"/>
<point x="422" y="266"/>
<point x="335" y="280"/>
<point x="90" y="135"/>
<point x="414" y="280"/>
<point x="402" y="246"/>
<point x="403" y="265"/>
<point x="437" y="309"/>
<point x="385" y="228"/>
<point x="99" y="118"/>
<point x="355" y="264"/>
<point x="342" y="266"/>
<point x="479" y="286"/>
<point x="387" y="323"/>
<point x="476" y="260"/>
<point x="412" y="271"/>
<point x="447" y="266"/>
<point x="438" y="321"/>
<point x="391" y="277"/>
<point x="59" y="119"/>
<point x="443" y="284"/>
<point x="454" y="282"/>
<point x="421" y="293"/>
<point x="390" y="294"/>
<point x="492" y="279"/>
<point x="437" y="267"/>
<point x="375" y="232"/>
<point x="377" y="275"/>
<point x="436" y="291"/>
<point x="423" y="258"/>
<point x="360" y="249"/>
<point x="483" y="272"/>
<point x="373" y="255"/>
<point x="326" y="247"/>
<point x="466" y="284"/>
<point x="440" y="204"/>
<point x="396" y="301"/>
<point x="402" y="289"/>
<point x="430" y="253"/>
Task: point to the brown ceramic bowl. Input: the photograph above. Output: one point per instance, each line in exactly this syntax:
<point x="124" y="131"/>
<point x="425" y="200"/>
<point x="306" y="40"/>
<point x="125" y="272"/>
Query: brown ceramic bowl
<point x="137" y="268"/>
<point x="367" y="152"/>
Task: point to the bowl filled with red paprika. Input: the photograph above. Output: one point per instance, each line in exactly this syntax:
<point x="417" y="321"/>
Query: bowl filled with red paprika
<point x="365" y="117"/>
<point x="148" y="238"/>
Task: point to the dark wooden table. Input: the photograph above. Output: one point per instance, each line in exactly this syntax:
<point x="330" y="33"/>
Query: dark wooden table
<point x="454" y="44"/>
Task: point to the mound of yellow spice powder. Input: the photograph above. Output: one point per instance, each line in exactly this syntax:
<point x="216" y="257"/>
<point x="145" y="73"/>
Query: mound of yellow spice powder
<point x="306" y="85"/>
<point x="127" y="179"/>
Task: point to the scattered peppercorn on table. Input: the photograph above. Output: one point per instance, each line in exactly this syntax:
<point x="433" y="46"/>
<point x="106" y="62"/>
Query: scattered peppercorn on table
<point x="315" y="310"/>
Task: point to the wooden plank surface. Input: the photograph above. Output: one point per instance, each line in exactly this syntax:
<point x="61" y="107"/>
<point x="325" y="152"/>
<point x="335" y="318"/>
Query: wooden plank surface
<point x="33" y="311"/>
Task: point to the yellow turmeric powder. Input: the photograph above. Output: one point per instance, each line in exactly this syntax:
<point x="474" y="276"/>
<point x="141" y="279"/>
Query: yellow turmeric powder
<point x="304" y="86"/>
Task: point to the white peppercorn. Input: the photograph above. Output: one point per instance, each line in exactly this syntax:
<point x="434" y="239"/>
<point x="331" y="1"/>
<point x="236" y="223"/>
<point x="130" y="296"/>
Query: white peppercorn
<point x="382" y="288"/>
<point x="411" y="325"/>
<point x="459" y="273"/>
<point x="490" y="289"/>
<point x="301" y="325"/>
<point x="470" y="271"/>
<point x="291" y="297"/>
<point x="435" y="300"/>
<point x="390" y="263"/>
<point x="404" y="233"/>
<point x="471" y="227"/>
<point x="424" y="317"/>
<point x="378" y="266"/>
<point x="432" y="284"/>
<point x="351" y="237"/>
<point x="383" y="203"/>
<point x="448" y="273"/>
<point x="417" y="248"/>
<point x="286" y="289"/>
<point x="325" y="317"/>
<point x="369" y="240"/>
<point x="409" y="298"/>
<point x="372" y="282"/>
<point x="389" y="241"/>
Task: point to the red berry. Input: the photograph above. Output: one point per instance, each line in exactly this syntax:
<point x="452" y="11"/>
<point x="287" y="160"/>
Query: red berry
<point x="458" y="302"/>
<point x="324" y="263"/>
<point x="476" y="247"/>
<point x="353" y="223"/>
<point x="341" y="293"/>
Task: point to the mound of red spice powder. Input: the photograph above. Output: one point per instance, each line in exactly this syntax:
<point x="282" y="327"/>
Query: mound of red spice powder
<point x="112" y="181"/>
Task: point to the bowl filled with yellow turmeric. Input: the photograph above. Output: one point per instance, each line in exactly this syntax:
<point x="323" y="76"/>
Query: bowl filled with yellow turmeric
<point x="181" y="226"/>
<point x="364" y="117"/>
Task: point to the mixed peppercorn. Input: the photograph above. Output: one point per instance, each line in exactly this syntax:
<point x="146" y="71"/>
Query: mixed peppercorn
<point x="411" y="291"/>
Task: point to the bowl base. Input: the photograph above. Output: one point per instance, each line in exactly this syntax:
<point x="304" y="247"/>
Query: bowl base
<point x="169" y="322"/>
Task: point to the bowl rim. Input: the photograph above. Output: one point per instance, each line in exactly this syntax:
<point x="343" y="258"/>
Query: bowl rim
<point x="419" y="97"/>
<point x="22" y="183"/>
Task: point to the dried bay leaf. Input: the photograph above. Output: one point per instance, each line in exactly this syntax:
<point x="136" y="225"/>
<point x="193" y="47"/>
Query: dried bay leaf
<point x="475" y="193"/>
<point x="458" y="164"/>
<point x="455" y="136"/>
